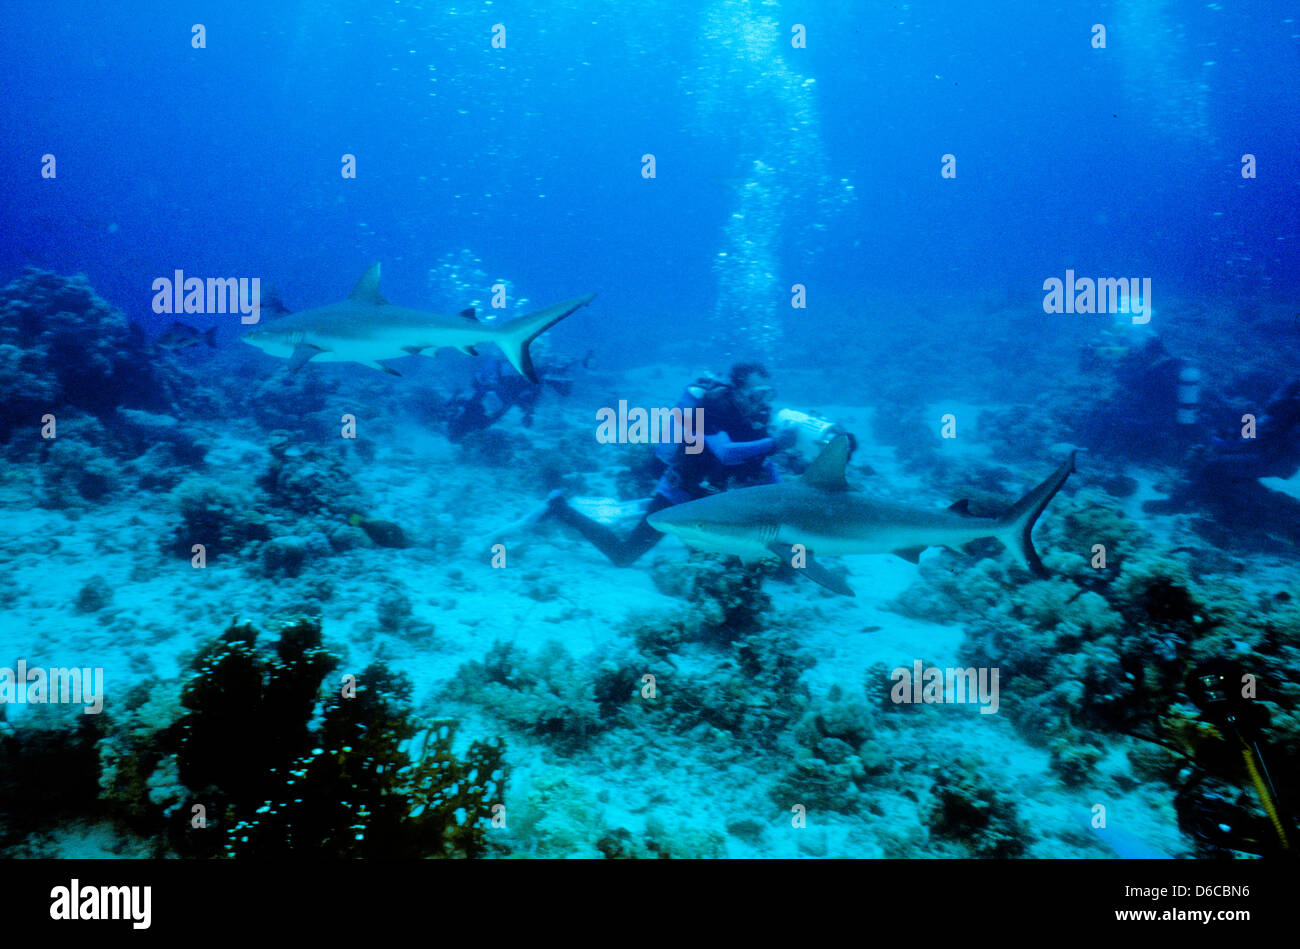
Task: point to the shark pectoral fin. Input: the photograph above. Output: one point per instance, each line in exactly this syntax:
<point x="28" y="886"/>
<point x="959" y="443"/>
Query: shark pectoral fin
<point x="469" y="350"/>
<point x="468" y="313"/>
<point x="910" y="554"/>
<point x="414" y="350"/>
<point x="388" y="369"/>
<point x="813" y="570"/>
<point x="961" y="507"/>
<point x="302" y="354"/>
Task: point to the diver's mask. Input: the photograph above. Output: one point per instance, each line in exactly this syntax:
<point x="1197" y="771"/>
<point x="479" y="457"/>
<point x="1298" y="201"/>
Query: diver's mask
<point x="756" y="403"/>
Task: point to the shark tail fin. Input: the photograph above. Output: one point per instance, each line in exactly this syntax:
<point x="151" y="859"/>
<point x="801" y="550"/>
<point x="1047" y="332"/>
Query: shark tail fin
<point x="1018" y="523"/>
<point x="514" y="337"/>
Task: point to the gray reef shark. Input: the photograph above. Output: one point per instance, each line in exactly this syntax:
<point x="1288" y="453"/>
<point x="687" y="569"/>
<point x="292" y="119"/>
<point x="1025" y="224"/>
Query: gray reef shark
<point x="366" y="328"/>
<point x="822" y="514"/>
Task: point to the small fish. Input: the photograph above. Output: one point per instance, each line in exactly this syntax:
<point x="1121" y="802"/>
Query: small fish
<point x="179" y="336"/>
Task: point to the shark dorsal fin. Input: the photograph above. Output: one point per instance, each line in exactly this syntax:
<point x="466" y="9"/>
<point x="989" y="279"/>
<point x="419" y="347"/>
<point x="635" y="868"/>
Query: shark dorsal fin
<point x="367" y="288"/>
<point x="827" y="472"/>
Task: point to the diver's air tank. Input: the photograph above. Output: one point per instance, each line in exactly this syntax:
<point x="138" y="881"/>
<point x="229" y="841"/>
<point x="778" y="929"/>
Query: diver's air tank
<point x="1189" y="394"/>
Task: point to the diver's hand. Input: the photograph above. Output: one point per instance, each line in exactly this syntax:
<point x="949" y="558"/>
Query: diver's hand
<point x="785" y="438"/>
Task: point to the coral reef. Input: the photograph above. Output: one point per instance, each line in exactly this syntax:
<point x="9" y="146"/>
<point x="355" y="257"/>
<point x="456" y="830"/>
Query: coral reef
<point x="310" y="481"/>
<point x="63" y="347"/>
<point x="1101" y="653"/>
<point x="835" y="760"/>
<point x="539" y="695"/>
<point x="967" y="810"/>
<point x="282" y="770"/>
<point x="725" y="603"/>
<point x="76" y="475"/>
<point x="223" y="517"/>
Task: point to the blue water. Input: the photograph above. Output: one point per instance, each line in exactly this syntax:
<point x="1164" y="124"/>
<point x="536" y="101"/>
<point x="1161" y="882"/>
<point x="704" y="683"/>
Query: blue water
<point x="775" y="165"/>
<point x="226" y="159"/>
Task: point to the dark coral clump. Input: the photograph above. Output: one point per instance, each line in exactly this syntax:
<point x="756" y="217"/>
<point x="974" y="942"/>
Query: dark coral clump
<point x="47" y="778"/>
<point x="248" y="714"/>
<point x="754" y="693"/>
<point x="259" y="760"/>
<point x="310" y="481"/>
<point x="966" y="809"/>
<point x="349" y="786"/>
<point x="220" y="516"/>
<point x="63" y="347"/>
<point x="726" y="604"/>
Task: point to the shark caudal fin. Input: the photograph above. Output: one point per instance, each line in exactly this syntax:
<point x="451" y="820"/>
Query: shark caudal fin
<point x="514" y="337"/>
<point x="1019" y="521"/>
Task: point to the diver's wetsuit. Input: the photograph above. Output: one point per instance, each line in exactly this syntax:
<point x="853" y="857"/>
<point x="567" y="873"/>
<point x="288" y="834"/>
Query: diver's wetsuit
<point x="736" y="450"/>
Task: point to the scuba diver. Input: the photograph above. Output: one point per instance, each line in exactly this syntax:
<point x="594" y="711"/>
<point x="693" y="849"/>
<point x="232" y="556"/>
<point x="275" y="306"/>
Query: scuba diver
<point x="1157" y="411"/>
<point x="1222" y="476"/>
<point x="497" y="387"/>
<point x="1274" y="454"/>
<point x="1151" y="412"/>
<point x="737" y="453"/>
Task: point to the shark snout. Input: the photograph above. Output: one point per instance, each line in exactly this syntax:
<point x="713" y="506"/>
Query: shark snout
<point x="673" y="521"/>
<point x="662" y="520"/>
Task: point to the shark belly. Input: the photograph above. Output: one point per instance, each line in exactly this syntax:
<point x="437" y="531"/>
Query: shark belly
<point x="839" y="536"/>
<point x="355" y="350"/>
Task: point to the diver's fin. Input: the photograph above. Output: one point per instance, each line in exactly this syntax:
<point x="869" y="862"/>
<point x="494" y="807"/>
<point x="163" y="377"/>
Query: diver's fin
<point x="813" y="570"/>
<point x="302" y="354"/>
<point x="367" y="288"/>
<point x="827" y="472"/>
